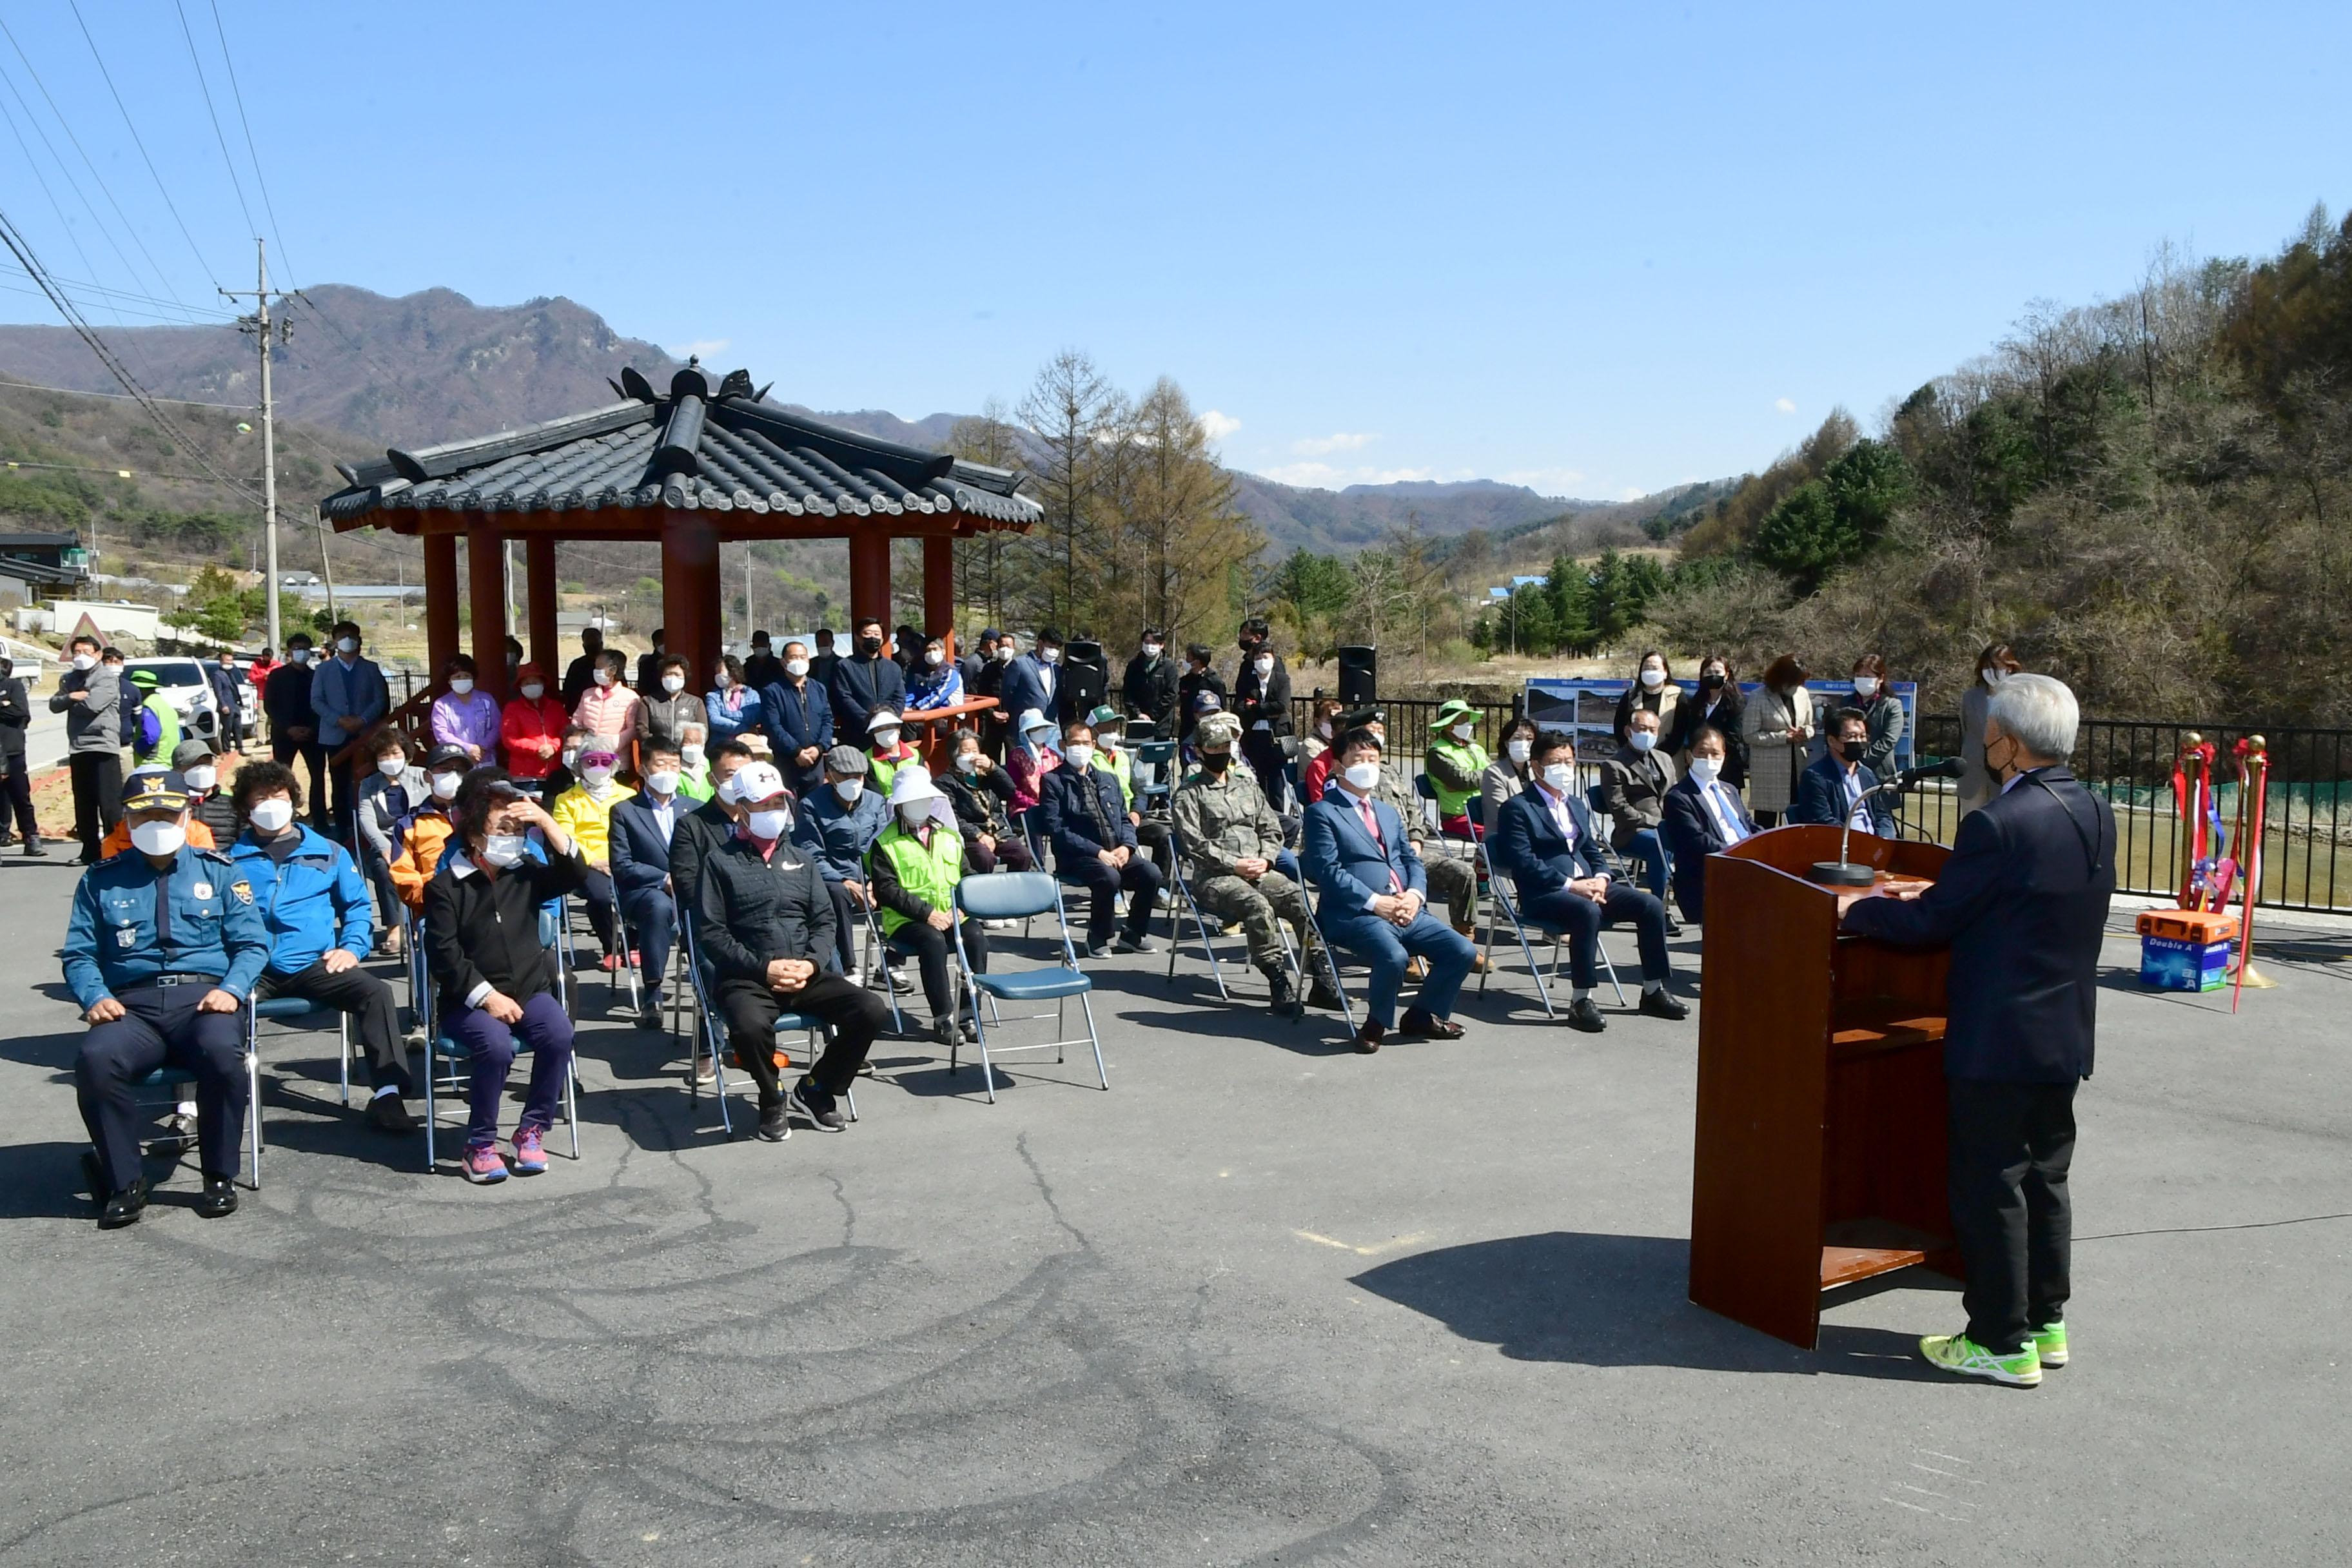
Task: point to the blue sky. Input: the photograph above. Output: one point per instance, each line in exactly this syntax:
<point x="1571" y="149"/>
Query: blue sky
<point x="1595" y="249"/>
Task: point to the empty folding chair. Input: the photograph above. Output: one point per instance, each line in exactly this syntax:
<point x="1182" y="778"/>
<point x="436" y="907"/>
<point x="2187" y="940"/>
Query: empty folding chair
<point x="1017" y="895"/>
<point x="303" y="1012"/>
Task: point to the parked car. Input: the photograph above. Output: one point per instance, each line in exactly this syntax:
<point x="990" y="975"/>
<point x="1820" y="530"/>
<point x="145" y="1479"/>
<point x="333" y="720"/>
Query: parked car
<point x="183" y="683"/>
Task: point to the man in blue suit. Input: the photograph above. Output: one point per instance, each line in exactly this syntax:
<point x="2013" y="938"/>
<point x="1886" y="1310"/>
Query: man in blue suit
<point x="1704" y="816"/>
<point x="1375" y="898"/>
<point x="641" y="829"/>
<point x="2022" y="904"/>
<point x="1830" y="786"/>
<point x="796" y="715"/>
<point x="1034" y="680"/>
<point x="1095" y="845"/>
<point x="1568" y="881"/>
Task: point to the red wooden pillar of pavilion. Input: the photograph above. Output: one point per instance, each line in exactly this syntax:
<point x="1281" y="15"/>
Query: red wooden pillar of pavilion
<point x="939" y="588"/>
<point x="486" y="581"/>
<point x="539" y="559"/>
<point x="690" y="543"/>
<point x="869" y="577"/>
<point x="440" y="603"/>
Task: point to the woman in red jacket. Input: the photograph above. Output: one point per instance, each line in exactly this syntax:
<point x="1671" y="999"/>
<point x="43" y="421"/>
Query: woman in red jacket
<point x="532" y="729"/>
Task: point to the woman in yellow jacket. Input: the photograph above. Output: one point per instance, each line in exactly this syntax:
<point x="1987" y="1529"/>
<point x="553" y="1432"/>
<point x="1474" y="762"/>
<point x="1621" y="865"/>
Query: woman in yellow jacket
<point x="585" y="812"/>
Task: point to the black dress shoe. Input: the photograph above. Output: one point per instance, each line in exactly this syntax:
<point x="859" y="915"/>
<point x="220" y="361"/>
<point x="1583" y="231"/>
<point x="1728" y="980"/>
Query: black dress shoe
<point x="1583" y="1015"/>
<point x="218" y="1200"/>
<point x="33" y="850"/>
<point x="1367" y="1038"/>
<point x="1420" y="1023"/>
<point x="1658" y="1005"/>
<point x="388" y="1113"/>
<point x="124" y="1207"/>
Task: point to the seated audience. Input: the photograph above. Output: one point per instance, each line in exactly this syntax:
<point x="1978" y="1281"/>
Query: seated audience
<point x="1031" y="757"/>
<point x="1634" y="785"/>
<point x="888" y="750"/>
<point x="422" y="835"/>
<point x="1703" y="816"/>
<point x="1832" y="788"/>
<point x="1095" y="847"/>
<point x="1507" y="775"/>
<point x="639" y="832"/>
<point x="694" y="760"/>
<point x="390" y="788"/>
<point x="706" y="823"/>
<point x="1232" y="839"/>
<point x="917" y="863"/>
<point x="983" y="796"/>
<point x="585" y="810"/>
<point x="837" y="825"/>
<point x="1455" y="763"/>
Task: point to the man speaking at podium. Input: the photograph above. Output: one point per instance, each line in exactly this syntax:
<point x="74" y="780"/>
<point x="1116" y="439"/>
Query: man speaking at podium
<point x="2022" y="904"/>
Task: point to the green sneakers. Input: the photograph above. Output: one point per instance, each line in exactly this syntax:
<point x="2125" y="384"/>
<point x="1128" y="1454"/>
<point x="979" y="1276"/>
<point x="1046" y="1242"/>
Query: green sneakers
<point x="2050" y="1344"/>
<point x="1961" y="1354"/>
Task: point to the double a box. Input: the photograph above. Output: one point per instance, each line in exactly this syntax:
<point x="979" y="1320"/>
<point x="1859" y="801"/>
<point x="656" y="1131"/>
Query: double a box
<point x="2184" y="949"/>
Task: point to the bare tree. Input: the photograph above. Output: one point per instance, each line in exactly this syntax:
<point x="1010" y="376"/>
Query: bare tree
<point x="991" y="438"/>
<point x="1073" y="416"/>
<point x="1179" y="538"/>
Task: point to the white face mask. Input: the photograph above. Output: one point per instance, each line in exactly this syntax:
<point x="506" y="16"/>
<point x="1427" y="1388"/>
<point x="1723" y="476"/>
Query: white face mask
<point x="1264" y="666"/>
<point x="300" y="656"/>
<point x="1518" y="750"/>
<point x="1151" y="651"/>
<point x="796" y="668"/>
<point x="598" y="776"/>
<point x="85" y="662"/>
<point x="1559" y="778"/>
<point x="201" y="778"/>
<point x="1463" y="733"/>
<point x="1079" y="756"/>
<point x="571" y="755"/>
<point x="391" y="767"/>
<point x="1004" y="653"/>
<point x="662" y="783"/>
<point x="1654" y="678"/>
<point x="690" y="754"/>
<point x="914" y="816"/>
<point x="1865" y="686"/>
<point x="934" y="657"/>
<point x="1362" y="777"/>
<point x="272" y="815"/>
<point x="673" y="683"/>
<point x="532" y="691"/>
<point x="1991" y="675"/>
<point x="770" y="825"/>
<point x="446" y="782"/>
<point x="1707" y="770"/>
<point x="722" y="680"/>
<point x="603" y="677"/>
<point x="886" y="740"/>
<point x="1049" y="655"/>
<point x="1041" y="739"/>
<point x="459" y="684"/>
<point x="968" y="763"/>
<point x="158" y="838"/>
<point x="1643" y="740"/>
<point x="500" y="850"/>
<point x="348" y="644"/>
<point x="848" y="790"/>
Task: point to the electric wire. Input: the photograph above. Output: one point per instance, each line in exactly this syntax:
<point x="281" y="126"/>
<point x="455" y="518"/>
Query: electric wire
<point x="55" y="206"/>
<point x="237" y="93"/>
<point x="214" y="115"/>
<point x="137" y="142"/>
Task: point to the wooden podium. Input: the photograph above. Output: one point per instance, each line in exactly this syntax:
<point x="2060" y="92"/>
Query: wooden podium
<point x="1821" y="1149"/>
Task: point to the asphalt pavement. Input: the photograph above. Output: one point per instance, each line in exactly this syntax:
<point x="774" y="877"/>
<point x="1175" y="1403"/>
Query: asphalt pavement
<point x="1263" y="1301"/>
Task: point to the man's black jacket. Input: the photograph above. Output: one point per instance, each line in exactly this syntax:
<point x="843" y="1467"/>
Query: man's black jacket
<point x="749" y="911"/>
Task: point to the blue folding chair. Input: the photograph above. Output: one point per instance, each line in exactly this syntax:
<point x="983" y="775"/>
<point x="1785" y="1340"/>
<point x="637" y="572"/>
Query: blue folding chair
<point x="1184" y="904"/>
<point x="1330" y="964"/>
<point x="1017" y="895"/>
<point x="447" y="1050"/>
<point x="178" y="1081"/>
<point x="710" y="1030"/>
<point x="298" y="1012"/>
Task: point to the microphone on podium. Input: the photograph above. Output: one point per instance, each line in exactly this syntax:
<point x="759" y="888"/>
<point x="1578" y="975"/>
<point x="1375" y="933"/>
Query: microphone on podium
<point x="1842" y="873"/>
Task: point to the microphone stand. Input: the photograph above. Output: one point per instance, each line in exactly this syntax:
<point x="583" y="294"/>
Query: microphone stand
<point x="1843" y="872"/>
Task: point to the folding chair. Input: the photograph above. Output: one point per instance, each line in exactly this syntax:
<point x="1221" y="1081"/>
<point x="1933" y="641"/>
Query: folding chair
<point x="302" y="1012"/>
<point x="1183" y="903"/>
<point x="174" y="1080"/>
<point x="446" y="1049"/>
<point x="1497" y="898"/>
<point x="1017" y="895"/>
<point x="711" y="1030"/>
<point x="628" y="945"/>
<point x="877" y="960"/>
<point x="1330" y="964"/>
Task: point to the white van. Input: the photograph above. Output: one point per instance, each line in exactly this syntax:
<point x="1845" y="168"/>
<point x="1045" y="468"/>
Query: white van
<point x="183" y="683"/>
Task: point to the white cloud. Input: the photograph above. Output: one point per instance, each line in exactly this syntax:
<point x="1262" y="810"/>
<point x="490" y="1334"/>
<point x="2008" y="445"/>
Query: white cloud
<point x="705" y="348"/>
<point x="1538" y="478"/>
<point x="1325" y="476"/>
<point x="1307" y="476"/>
<point x="1338" y="441"/>
<point x="1785" y="404"/>
<point x="1216" y="427"/>
<point x="1632" y="492"/>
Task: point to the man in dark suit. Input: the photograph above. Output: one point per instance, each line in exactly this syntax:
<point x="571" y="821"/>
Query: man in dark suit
<point x="1568" y="881"/>
<point x="580" y="674"/>
<point x="1703" y="816"/>
<point x="1034" y="680"/>
<point x="1095" y="845"/>
<point x="641" y="830"/>
<point x="824" y="661"/>
<point x="1262" y="697"/>
<point x="1148" y="687"/>
<point x="650" y="665"/>
<point x="1833" y="782"/>
<point x="2022" y="904"/>
<point x="1375" y="895"/>
<point x="293" y="728"/>
<point x="796" y="715"/>
<point x="865" y="681"/>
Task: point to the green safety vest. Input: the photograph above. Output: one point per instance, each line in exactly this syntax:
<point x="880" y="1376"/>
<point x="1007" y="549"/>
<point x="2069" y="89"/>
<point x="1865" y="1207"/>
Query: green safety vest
<point x="1469" y="760"/>
<point x="883" y="771"/>
<point x="930" y="875"/>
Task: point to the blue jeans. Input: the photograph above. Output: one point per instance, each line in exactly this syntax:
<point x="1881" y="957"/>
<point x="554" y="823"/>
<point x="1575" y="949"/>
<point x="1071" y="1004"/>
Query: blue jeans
<point x="1649" y="851"/>
<point x="1368" y="937"/>
<point x="491" y="1046"/>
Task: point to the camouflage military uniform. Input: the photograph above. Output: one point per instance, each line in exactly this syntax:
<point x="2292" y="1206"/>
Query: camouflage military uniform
<point x="1220" y="821"/>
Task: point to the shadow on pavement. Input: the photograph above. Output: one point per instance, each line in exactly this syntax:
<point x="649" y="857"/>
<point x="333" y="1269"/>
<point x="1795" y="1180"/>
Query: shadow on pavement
<point x="1613" y="1300"/>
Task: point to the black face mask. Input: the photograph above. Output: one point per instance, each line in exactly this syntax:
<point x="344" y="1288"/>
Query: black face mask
<point x="1215" y="761"/>
<point x="1712" y="682"/>
<point x="1851" y="751"/>
<point x="870" y="645"/>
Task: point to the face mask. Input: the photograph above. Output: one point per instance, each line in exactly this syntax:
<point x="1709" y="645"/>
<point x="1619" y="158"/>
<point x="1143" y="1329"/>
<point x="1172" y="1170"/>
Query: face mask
<point x="1463" y="733"/>
<point x="300" y="656"/>
<point x="85" y="662"/>
<point x="1050" y="655"/>
<point x="1991" y="676"/>
<point x="1642" y="740"/>
<point x="870" y="645"/>
<point x="158" y="838"/>
<point x="1559" y="778"/>
<point x="1706" y="769"/>
<point x="532" y="691"/>
<point x="848" y="789"/>
<point x="662" y="783"/>
<point x="720" y="680"/>
<point x="1363" y="777"/>
<point x="934" y="657"/>
<point x="886" y="740"/>
<point x="1323" y="728"/>
<point x="603" y="677"/>
<point x="1865" y="686"/>
<point x="1654" y="678"/>
<point x="770" y="826"/>
<point x="445" y="785"/>
<point x="1151" y="651"/>
<point x="597" y="776"/>
<point x="1040" y="738"/>
<point x="673" y="683"/>
<point x="459" y="684"/>
<point x="571" y="755"/>
<point x="968" y="763"/>
<point x="500" y="850"/>
<point x="723" y="792"/>
<point x="1712" y="682"/>
<point x="1108" y="740"/>
<point x="1215" y="761"/>
<point x="271" y="816"/>
<point x="201" y="778"/>
<point x="690" y="754"/>
<point x="391" y="767"/>
<point x="1264" y="666"/>
<point x="1003" y="653"/>
<point x="348" y="644"/>
<point x="1079" y="756"/>
<point x="914" y="816"/>
<point x="796" y="668"/>
<point x="1518" y="750"/>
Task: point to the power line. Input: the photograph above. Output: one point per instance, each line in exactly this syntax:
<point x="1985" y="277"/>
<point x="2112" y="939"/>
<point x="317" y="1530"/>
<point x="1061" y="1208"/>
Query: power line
<point x="238" y="93"/>
<point x="119" y="396"/>
<point x="55" y="206"/>
<point x="196" y="315"/>
<point x="214" y="114"/>
<point x="136" y="141"/>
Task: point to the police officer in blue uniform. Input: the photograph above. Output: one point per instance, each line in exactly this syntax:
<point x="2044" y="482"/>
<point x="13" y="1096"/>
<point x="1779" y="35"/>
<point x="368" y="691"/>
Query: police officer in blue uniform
<point x="163" y="946"/>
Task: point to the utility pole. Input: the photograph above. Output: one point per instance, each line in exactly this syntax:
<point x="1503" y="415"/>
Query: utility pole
<point x="260" y="326"/>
